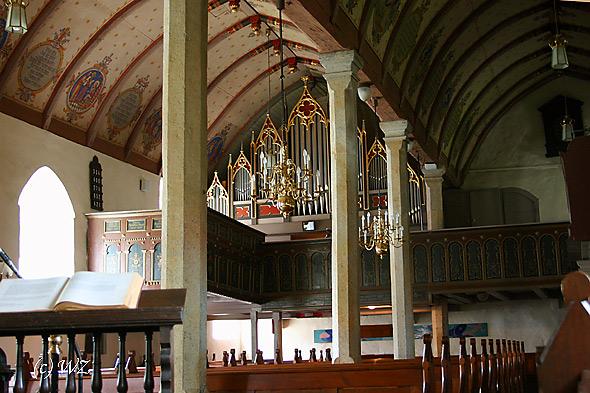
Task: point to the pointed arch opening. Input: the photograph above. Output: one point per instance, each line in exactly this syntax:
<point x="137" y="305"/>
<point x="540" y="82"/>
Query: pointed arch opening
<point x="46" y="234"/>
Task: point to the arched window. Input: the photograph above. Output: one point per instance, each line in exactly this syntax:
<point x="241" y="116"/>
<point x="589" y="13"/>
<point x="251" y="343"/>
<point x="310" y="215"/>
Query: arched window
<point x="46" y="218"/>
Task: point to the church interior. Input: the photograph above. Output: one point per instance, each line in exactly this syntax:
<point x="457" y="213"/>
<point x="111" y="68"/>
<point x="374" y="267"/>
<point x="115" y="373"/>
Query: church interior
<point x="355" y="195"/>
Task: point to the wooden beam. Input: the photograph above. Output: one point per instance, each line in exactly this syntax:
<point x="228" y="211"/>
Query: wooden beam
<point x="518" y="18"/>
<point x="459" y="298"/>
<point x="540" y="292"/>
<point x="500" y="296"/>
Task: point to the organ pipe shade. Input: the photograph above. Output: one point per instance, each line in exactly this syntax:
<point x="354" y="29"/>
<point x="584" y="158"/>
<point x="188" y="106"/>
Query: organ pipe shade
<point x="16" y="19"/>
<point x="558" y="53"/>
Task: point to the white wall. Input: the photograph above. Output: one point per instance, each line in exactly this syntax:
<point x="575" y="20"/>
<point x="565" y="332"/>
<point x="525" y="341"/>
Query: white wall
<point x="24" y="149"/>
<point x="513" y="153"/>
<point x="532" y="321"/>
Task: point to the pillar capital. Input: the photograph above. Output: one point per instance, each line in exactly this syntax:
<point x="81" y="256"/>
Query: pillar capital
<point x="433" y="172"/>
<point x="344" y="63"/>
<point x="395" y="129"/>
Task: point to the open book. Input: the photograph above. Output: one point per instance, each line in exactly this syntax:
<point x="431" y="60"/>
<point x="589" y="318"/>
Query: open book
<point x="84" y="290"/>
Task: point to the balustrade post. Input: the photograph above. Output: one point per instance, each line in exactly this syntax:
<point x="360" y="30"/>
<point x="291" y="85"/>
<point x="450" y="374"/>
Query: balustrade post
<point x="44" y="370"/>
<point x="148" y="379"/>
<point x="70" y="366"/>
<point x="122" y="386"/>
<point x="96" y="381"/>
<point x="19" y="382"/>
<point x="523" y="366"/>
<point x="165" y="360"/>
<point x="511" y="374"/>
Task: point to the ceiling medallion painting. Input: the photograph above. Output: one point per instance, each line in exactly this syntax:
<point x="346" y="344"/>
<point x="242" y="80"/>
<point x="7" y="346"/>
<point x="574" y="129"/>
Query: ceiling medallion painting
<point x="215" y="145"/>
<point x="406" y="37"/>
<point x="383" y="14"/>
<point x="152" y="131"/>
<point x="86" y="89"/>
<point x="41" y="65"/>
<point x="126" y="108"/>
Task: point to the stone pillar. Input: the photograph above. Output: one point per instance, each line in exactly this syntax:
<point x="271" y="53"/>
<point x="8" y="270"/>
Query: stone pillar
<point x="433" y="178"/>
<point x="254" y="332"/>
<point x="277" y="325"/>
<point x="184" y="160"/>
<point x="398" y="201"/>
<point x="341" y="69"/>
<point x="440" y="325"/>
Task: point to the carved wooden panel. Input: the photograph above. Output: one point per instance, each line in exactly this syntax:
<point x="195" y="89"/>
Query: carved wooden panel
<point x="368" y="269"/>
<point x="318" y="271"/>
<point x="112" y="263"/>
<point x="492" y="259"/>
<point x="548" y="255"/>
<point x="511" y="262"/>
<point x="530" y="267"/>
<point x="286" y="273"/>
<point x="135" y="259"/>
<point x="438" y="263"/>
<point x="474" y="261"/>
<point x="420" y="264"/>
<point x="301" y="273"/>
<point x="157" y="262"/>
<point x="457" y="270"/>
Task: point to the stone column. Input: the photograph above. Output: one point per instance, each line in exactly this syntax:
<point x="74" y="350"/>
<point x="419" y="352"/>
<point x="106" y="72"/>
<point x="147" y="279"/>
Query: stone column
<point x="433" y="178"/>
<point x="277" y="325"/>
<point x="254" y="332"/>
<point x="398" y="201"/>
<point x="341" y="69"/>
<point x="184" y="160"/>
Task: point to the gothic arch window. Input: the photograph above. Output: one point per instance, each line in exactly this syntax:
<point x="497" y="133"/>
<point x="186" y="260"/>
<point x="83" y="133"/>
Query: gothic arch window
<point x="46" y="218"/>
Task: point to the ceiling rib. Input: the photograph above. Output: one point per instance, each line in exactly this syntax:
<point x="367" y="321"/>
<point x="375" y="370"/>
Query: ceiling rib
<point x="92" y="131"/>
<point x="469" y="52"/>
<point x="137" y="126"/>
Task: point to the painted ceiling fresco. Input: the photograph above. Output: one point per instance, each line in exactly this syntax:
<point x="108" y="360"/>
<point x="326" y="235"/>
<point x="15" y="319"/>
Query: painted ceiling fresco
<point x="91" y="71"/>
<point x="453" y="67"/>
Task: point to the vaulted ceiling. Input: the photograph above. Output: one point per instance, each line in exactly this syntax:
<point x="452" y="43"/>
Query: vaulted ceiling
<point x="454" y="67"/>
<point x="91" y="70"/>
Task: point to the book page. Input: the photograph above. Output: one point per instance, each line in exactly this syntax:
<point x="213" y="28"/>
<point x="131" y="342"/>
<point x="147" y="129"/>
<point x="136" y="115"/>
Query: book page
<point x="101" y="290"/>
<point x="30" y="294"/>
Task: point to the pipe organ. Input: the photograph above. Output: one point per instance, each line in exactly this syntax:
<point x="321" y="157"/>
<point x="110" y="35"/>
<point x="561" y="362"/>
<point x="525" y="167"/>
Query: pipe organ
<point x="307" y="135"/>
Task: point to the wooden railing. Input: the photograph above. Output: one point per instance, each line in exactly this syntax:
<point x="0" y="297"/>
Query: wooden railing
<point x="158" y="311"/>
<point x="499" y="257"/>
<point x="298" y="273"/>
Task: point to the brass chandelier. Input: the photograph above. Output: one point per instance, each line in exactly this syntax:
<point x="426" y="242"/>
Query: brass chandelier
<point x="283" y="182"/>
<point x="286" y="184"/>
<point x="378" y="232"/>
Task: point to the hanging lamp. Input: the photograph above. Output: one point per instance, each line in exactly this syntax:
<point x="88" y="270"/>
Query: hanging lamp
<point x="16" y="18"/>
<point x="558" y="44"/>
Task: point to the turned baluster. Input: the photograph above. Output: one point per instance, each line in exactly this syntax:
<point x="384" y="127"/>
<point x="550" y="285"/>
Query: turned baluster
<point x="463" y="367"/>
<point x="165" y="359"/>
<point x="484" y="384"/>
<point x="445" y="362"/>
<point x="493" y="363"/>
<point x="473" y="367"/>
<point x="427" y="365"/>
<point x="278" y="357"/>
<point x="148" y="378"/>
<point x="19" y="382"/>
<point x="70" y="366"/>
<point x="122" y="386"/>
<point x="44" y="368"/>
<point x="500" y="367"/>
<point x="506" y="365"/>
<point x="55" y="352"/>
<point x="96" y="382"/>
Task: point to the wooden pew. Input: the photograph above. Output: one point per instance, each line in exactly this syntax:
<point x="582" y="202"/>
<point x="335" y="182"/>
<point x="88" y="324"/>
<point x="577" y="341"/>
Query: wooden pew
<point x="567" y="354"/>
